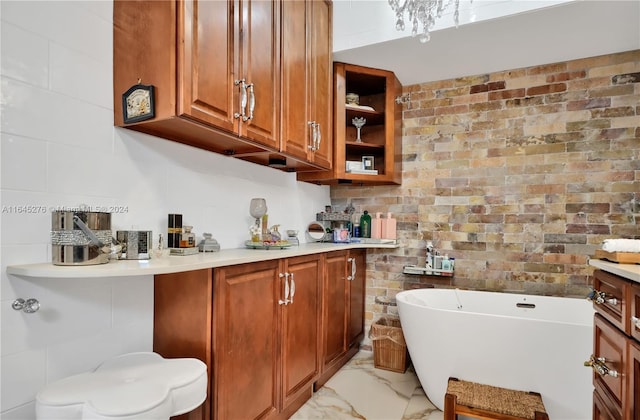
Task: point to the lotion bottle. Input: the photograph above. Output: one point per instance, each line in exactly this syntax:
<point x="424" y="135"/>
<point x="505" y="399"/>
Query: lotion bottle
<point x="376" y="227"/>
<point x="389" y="227"/>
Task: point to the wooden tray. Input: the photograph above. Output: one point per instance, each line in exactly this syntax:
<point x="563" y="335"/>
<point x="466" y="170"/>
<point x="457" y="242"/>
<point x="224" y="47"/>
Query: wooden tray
<point x="619" y="257"/>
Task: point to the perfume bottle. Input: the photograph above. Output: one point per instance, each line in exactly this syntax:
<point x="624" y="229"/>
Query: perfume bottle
<point x="174" y="230"/>
<point x="158" y="252"/>
<point x="187" y="239"/>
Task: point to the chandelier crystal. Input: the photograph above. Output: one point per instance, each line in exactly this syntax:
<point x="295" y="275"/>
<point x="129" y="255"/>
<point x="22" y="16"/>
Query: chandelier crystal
<point x="423" y="12"/>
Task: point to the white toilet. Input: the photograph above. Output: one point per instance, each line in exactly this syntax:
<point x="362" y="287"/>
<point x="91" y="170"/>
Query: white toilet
<point x="132" y="386"/>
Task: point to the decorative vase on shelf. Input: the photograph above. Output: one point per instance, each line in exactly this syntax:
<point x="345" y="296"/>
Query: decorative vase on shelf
<point x="359" y="122"/>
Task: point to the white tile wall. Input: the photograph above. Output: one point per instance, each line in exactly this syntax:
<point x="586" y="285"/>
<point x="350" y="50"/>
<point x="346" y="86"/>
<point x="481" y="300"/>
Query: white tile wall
<point x="59" y="148"/>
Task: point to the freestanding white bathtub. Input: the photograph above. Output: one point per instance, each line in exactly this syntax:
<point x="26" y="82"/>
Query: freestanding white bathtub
<point x="523" y="342"/>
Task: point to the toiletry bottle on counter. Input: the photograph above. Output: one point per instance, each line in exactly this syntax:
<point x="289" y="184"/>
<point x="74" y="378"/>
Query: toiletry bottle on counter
<point x="356" y="230"/>
<point x="376" y="227"/>
<point x="188" y="238"/>
<point x="446" y="263"/>
<point x="365" y="225"/>
<point x="174" y="230"/>
<point x="389" y="227"/>
<point x="429" y="262"/>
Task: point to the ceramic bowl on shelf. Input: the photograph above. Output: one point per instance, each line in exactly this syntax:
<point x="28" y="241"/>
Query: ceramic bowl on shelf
<point x="352" y="98"/>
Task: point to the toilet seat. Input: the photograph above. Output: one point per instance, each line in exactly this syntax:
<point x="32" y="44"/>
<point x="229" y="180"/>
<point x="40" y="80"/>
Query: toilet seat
<point x="132" y="386"/>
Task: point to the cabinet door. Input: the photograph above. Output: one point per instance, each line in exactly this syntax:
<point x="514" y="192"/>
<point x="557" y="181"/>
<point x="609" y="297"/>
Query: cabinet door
<point x="301" y="318"/>
<point x="259" y="67"/>
<point x="306" y="81"/>
<point x="634" y="381"/>
<point x="601" y="410"/>
<point x="634" y="309"/>
<point x="611" y="345"/>
<point x="334" y="307"/>
<point x="223" y="43"/>
<point x="245" y="340"/>
<point x="321" y="66"/>
<point x="357" y="265"/>
<point x="295" y="80"/>
<point x="207" y="59"/>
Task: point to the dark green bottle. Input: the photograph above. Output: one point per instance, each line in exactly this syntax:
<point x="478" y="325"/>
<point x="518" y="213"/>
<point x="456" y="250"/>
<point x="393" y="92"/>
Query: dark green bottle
<point x="365" y="225"/>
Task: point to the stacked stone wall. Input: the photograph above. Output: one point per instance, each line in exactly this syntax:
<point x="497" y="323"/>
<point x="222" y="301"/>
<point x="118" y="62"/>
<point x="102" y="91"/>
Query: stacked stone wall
<point x="519" y="175"/>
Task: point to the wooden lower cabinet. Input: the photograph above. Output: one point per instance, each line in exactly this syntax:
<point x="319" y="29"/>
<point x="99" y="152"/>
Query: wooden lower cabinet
<point x="616" y="378"/>
<point x="300" y="325"/>
<point x="356" y="263"/>
<point x="268" y="331"/>
<point x="183" y="323"/>
<point x="634" y="381"/>
<point x="610" y="344"/>
<point x="245" y="341"/>
<point x="601" y="410"/>
<point x="266" y="327"/>
<point x="343" y="310"/>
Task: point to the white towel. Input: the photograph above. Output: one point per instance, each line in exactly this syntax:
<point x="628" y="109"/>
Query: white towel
<point x="621" y="245"/>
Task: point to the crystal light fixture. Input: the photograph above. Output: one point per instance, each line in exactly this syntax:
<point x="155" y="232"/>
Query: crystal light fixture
<point x="422" y="12"/>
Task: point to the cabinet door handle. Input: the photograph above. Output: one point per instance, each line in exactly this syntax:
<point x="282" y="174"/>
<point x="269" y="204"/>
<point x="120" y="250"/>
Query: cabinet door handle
<point x="599" y="298"/>
<point x="286" y="289"/>
<point x="314" y="136"/>
<point x="318" y="137"/>
<point x="243" y="99"/>
<point x="636" y="321"/>
<point x="252" y="103"/>
<point x="293" y="288"/>
<point x="599" y="366"/>
<point x="353" y="269"/>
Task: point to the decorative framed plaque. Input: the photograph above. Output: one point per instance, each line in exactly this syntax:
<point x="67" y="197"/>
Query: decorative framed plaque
<point x="138" y="103"/>
<point x="367" y="163"/>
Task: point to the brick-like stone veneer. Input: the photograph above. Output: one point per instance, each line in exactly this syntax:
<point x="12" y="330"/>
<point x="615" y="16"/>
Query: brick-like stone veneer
<point x="520" y="175"/>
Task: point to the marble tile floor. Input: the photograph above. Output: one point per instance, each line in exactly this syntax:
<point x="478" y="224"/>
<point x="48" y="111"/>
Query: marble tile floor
<point x="360" y="391"/>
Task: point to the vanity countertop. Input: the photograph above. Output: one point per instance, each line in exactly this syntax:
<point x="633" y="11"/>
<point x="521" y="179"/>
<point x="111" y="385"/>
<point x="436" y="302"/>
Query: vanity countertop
<point x="176" y="264"/>
<point x="628" y="271"/>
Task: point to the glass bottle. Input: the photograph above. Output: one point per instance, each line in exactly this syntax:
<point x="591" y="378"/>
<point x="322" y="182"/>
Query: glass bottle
<point x="365" y="225"/>
<point x="187" y="239"/>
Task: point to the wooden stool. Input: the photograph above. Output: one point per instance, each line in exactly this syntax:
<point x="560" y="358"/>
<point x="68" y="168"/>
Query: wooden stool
<point x="490" y="402"/>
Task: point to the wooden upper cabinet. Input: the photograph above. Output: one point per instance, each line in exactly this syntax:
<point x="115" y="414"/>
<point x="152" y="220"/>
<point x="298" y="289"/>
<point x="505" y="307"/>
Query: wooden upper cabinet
<point x="258" y="40"/>
<point x="295" y="79"/>
<point x="306" y="81"/>
<point x="217" y="68"/>
<point x="207" y="55"/>
<point x="381" y="135"/>
<point x="322" y="87"/>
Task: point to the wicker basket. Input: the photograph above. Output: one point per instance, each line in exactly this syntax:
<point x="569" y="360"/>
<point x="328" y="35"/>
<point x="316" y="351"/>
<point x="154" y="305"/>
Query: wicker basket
<point x="389" y="347"/>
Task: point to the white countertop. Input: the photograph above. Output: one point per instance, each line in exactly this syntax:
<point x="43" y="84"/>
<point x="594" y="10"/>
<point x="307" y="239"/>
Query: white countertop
<point x="628" y="271"/>
<point x="176" y="264"/>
